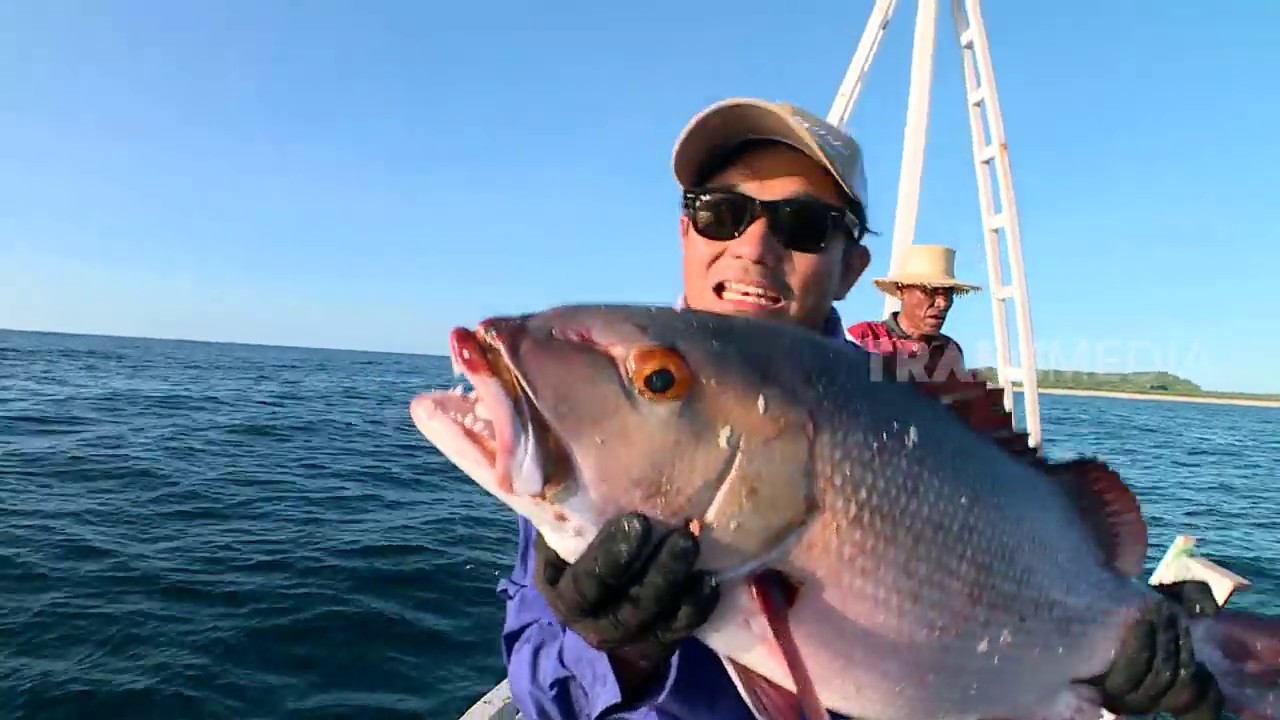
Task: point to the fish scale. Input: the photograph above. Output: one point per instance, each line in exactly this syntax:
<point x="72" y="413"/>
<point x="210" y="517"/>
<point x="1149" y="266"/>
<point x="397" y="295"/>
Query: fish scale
<point x="940" y="570"/>
<point x="912" y="497"/>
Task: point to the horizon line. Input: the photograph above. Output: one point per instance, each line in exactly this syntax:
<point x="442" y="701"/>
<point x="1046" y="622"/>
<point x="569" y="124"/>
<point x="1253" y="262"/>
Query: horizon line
<point x="441" y="356"/>
<point x="246" y="343"/>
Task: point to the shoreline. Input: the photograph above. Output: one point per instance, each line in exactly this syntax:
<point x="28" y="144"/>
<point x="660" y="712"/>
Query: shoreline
<point x="1204" y="399"/>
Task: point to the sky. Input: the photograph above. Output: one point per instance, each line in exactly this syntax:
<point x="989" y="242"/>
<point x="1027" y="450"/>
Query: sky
<point x="369" y="175"/>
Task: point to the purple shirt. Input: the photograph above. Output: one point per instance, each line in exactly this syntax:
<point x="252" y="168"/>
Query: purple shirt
<point x="555" y="675"/>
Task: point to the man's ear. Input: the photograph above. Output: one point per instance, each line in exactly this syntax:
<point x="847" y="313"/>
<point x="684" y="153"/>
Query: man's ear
<point x="853" y="263"/>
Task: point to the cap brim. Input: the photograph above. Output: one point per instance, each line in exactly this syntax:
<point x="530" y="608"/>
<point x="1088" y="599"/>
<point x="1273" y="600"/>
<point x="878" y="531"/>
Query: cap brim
<point x="724" y="125"/>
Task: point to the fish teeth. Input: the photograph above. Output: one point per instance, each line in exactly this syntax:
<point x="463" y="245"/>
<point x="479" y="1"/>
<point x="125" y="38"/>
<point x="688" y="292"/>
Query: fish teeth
<point x="472" y="421"/>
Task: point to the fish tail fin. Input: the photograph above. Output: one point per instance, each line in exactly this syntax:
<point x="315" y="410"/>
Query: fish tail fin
<point x="1242" y="650"/>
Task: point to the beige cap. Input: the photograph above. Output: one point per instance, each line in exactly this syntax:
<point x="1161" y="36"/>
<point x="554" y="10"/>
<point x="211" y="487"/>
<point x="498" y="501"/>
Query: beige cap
<point x="730" y="122"/>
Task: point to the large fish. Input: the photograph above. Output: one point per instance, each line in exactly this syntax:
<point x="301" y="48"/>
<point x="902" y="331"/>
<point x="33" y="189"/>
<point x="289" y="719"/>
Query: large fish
<point x="938" y="567"/>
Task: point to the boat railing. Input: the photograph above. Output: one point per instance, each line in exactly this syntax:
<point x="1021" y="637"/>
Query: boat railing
<point x="495" y="705"/>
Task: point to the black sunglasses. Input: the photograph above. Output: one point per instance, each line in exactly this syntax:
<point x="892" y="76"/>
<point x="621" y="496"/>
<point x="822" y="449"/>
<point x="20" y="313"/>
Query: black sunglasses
<point x="800" y="224"/>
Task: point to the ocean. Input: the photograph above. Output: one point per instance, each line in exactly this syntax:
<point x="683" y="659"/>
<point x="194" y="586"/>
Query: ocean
<point x="202" y="530"/>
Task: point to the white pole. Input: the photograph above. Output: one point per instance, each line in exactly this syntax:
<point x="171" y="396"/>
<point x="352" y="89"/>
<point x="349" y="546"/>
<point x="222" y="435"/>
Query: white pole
<point x="914" y="136"/>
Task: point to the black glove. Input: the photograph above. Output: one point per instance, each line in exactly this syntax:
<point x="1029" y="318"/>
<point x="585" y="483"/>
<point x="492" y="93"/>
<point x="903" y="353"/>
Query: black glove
<point x="627" y="594"/>
<point x="1155" y="669"/>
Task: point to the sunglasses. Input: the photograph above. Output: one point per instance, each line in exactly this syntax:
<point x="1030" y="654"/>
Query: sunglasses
<point x="803" y="225"/>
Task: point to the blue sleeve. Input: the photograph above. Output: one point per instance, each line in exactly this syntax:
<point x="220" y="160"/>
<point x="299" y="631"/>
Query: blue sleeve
<point x="552" y="671"/>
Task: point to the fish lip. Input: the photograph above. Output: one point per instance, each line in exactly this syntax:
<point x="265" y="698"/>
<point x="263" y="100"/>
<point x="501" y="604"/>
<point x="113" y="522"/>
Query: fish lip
<point x="501" y="337"/>
<point x="494" y="339"/>
<point x="488" y="367"/>
<point x="513" y="450"/>
<point x="478" y="431"/>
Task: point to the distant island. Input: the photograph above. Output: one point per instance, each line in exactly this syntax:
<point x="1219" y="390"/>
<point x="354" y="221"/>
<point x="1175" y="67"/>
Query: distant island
<point x="1137" y="385"/>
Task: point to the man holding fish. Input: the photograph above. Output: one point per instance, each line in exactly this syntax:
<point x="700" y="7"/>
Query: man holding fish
<point x="772" y="228"/>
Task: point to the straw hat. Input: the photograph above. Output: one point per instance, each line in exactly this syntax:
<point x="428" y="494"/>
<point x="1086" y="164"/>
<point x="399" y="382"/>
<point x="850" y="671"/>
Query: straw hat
<point x="932" y="266"/>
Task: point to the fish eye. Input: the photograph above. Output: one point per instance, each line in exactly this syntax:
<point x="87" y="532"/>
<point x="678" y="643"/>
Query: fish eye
<point x="660" y="381"/>
<point x="659" y="373"/>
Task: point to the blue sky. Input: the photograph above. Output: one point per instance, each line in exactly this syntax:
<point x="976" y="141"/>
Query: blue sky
<point x="317" y="174"/>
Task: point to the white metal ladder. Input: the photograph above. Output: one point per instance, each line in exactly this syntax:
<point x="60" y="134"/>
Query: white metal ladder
<point x="989" y="153"/>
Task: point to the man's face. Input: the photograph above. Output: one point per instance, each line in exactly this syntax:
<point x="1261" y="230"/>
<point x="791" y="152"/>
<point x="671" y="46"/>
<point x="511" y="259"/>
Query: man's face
<point x="925" y="309"/>
<point x="755" y="275"/>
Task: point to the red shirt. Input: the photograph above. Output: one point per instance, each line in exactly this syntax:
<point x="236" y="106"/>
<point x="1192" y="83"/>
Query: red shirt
<point x="935" y="357"/>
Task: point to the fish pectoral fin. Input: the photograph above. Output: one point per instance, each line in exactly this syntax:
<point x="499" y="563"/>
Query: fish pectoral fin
<point x="766" y="699"/>
<point x="775" y="594"/>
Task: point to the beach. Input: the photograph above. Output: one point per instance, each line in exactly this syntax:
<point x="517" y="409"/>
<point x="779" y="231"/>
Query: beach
<point x="1204" y="399"/>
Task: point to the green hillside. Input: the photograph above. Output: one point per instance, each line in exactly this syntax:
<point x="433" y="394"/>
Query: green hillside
<point x="1154" y="383"/>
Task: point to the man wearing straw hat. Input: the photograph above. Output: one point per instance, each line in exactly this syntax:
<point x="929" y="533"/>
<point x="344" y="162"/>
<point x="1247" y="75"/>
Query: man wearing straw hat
<point x="926" y="285"/>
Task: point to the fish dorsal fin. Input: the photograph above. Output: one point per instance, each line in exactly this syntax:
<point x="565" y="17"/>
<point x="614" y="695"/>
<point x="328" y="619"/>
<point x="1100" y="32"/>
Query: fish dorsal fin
<point x="974" y="402"/>
<point x="981" y="407"/>
<point x="1106" y="504"/>
<point x="1109" y="508"/>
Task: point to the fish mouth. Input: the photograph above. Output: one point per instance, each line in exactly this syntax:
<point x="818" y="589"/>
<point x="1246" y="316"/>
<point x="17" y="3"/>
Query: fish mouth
<point x="494" y="432"/>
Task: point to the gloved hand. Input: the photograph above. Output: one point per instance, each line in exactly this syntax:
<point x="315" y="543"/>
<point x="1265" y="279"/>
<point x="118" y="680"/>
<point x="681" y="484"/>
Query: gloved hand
<point x="627" y="596"/>
<point x="1155" y="669"/>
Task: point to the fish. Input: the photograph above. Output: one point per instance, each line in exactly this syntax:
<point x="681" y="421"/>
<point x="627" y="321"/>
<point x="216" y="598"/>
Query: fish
<point x="887" y="546"/>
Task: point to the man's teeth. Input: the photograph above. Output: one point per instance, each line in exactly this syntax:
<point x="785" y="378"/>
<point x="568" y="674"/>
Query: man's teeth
<point x="750" y="293"/>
